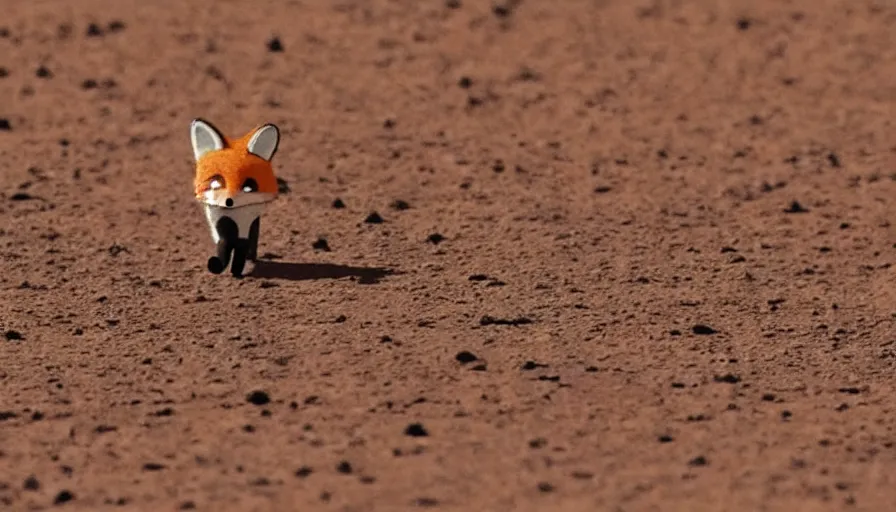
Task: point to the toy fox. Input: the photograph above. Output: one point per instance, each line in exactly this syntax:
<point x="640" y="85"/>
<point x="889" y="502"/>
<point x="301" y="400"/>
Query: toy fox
<point x="234" y="182"/>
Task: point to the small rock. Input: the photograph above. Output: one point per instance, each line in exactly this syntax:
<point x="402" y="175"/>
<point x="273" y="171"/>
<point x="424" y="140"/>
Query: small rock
<point x="338" y="204"/>
<point x="344" y="467"/>
<point x="465" y="357"/>
<point x="374" y="218"/>
<point x="703" y="330"/>
<point x="728" y="378"/>
<point x="400" y="205"/>
<point x="501" y="11"/>
<point x="275" y="46"/>
<point x="258" y="397"/>
<point x="435" y="238"/>
<point x="64" y="496"/>
<point x="94" y="30"/>
<point x="321" y="245"/>
<point x="116" y="26"/>
<point x="31" y="483"/>
<point x="700" y="460"/>
<point x="796" y="207"/>
<point x="834" y="160"/>
<point x="489" y="320"/>
<point x="416" y="430"/>
<point x="12" y="335"/>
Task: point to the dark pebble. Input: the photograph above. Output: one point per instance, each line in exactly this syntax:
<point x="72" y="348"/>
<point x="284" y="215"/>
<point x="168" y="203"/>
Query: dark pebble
<point x="374" y="218"/>
<point x="416" y="430"/>
<point x="94" y="30"/>
<point x="728" y="378"/>
<point x="258" y="398"/>
<point x="275" y="46"/>
<point x="64" y="496"/>
<point x="31" y="483"/>
<point x="282" y="186"/>
<point x="796" y="207"/>
<point x="702" y="329"/>
<point x="834" y="160"/>
<point x="400" y="205"/>
<point x="465" y="357"/>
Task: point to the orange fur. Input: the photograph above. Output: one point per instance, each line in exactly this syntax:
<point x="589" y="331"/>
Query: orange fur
<point x="235" y="164"/>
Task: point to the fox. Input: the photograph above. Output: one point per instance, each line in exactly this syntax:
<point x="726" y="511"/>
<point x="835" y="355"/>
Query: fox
<point x="234" y="183"/>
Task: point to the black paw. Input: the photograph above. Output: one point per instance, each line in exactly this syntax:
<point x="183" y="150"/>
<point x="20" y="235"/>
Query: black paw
<point x="215" y="265"/>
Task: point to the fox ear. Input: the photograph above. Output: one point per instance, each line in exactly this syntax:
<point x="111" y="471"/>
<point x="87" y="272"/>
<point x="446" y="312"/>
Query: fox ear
<point x="205" y="138"/>
<point x="264" y="142"/>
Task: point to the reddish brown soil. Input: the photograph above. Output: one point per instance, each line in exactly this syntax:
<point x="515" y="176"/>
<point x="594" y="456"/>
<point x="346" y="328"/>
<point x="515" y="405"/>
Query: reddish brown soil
<point x="620" y="174"/>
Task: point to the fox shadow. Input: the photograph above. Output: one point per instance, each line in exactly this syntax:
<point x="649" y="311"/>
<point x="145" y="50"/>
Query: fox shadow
<point x="267" y="269"/>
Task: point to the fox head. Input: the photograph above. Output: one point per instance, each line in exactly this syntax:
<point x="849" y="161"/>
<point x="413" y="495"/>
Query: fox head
<point x="237" y="172"/>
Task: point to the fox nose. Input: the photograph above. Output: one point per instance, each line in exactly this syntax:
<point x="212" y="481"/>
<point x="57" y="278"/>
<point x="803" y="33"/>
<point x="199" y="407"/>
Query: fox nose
<point x="228" y="202"/>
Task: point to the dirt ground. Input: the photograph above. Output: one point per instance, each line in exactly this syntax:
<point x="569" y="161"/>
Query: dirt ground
<point x="633" y="256"/>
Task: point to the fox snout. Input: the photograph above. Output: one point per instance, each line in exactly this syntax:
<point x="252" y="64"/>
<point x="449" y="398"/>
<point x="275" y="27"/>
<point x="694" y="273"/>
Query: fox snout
<point x="216" y="193"/>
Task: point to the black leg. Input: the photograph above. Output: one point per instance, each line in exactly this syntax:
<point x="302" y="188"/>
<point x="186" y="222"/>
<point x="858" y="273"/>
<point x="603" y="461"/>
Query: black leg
<point x="240" y="249"/>
<point x="227" y="233"/>
<point x="218" y="262"/>
<point x="252" y="255"/>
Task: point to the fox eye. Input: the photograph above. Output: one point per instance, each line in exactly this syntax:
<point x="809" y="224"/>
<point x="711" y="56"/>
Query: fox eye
<point x="216" y="183"/>
<point x="250" y="185"/>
